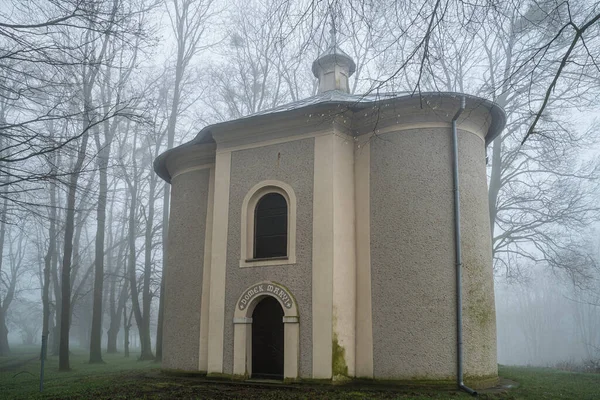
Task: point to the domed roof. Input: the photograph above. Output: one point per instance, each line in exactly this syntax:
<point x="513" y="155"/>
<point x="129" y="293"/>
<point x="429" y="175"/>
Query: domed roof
<point x="333" y="55"/>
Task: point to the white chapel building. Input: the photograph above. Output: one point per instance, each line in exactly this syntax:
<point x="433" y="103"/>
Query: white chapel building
<point x="336" y="237"/>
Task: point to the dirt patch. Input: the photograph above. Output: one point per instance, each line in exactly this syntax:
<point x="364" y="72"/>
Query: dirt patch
<point x="503" y="386"/>
<point x="13" y="366"/>
<point x="154" y="385"/>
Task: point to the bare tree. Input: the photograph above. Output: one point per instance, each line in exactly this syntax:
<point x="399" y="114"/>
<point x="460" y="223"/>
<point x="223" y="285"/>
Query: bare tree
<point x="125" y="66"/>
<point x="569" y="45"/>
<point x="49" y="260"/>
<point x="118" y="296"/>
<point x="25" y="318"/>
<point x="89" y="74"/>
<point x="4" y="347"/>
<point x="37" y="58"/>
<point x="141" y="313"/>
<point x="541" y="194"/>
<point x="9" y="279"/>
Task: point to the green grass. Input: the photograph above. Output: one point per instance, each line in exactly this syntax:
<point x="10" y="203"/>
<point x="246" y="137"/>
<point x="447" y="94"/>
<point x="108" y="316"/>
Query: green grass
<point x="548" y="383"/>
<point x="122" y="378"/>
<point x="20" y="372"/>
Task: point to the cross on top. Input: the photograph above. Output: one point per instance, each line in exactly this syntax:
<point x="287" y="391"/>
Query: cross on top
<point x="333" y="31"/>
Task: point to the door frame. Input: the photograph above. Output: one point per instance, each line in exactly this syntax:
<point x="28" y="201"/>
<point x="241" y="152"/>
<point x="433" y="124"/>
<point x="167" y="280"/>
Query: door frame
<point x="242" y="332"/>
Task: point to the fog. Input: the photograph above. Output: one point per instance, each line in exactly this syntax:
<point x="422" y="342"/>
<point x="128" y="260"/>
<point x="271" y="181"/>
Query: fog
<point x="545" y="322"/>
<point x="91" y="92"/>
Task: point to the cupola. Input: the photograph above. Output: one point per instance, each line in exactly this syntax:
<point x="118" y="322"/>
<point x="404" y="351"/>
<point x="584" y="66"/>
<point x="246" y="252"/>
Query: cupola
<point x="333" y="67"/>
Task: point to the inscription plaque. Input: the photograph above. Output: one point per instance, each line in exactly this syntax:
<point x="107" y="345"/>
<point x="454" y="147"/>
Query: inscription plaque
<point x="266" y="288"/>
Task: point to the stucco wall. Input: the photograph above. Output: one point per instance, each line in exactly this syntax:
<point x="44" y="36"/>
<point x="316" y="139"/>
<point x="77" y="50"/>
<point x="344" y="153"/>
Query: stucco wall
<point x="292" y="163"/>
<point x="183" y="277"/>
<point x="479" y="311"/>
<point x="412" y="256"/>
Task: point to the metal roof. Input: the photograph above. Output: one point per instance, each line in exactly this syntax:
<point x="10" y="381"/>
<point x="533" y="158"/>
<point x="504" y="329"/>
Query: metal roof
<point x="330" y="96"/>
<point x="336" y="97"/>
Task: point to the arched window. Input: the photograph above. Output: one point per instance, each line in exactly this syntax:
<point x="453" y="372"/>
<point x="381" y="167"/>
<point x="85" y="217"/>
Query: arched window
<point x="271" y="227"/>
<point x="268" y="225"/>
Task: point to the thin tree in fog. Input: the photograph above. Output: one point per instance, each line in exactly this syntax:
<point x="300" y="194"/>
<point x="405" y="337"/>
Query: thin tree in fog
<point x="586" y="311"/>
<point x="55" y="259"/>
<point x="94" y="56"/>
<point x="584" y="294"/>
<point x="14" y="240"/>
<point x="132" y="176"/>
<point x="118" y="276"/>
<point x="149" y="151"/>
<point x="50" y="260"/>
<point x="111" y="93"/>
<point x="25" y="317"/>
<point x="126" y="329"/>
<point x="4" y="302"/>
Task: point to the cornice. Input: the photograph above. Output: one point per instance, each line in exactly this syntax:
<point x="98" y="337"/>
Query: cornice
<point x="184" y="158"/>
<point x="350" y="114"/>
<point x="422" y="113"/>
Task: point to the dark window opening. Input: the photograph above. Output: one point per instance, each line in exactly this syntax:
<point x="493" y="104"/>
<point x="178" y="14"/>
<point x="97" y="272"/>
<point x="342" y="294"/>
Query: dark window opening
<point x="270" y="226"/>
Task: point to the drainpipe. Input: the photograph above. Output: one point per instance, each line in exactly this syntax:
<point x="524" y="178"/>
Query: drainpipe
<point x="457" y="241"/>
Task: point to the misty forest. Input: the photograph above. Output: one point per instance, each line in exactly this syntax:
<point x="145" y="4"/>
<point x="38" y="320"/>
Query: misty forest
<point x="92" y="91"/>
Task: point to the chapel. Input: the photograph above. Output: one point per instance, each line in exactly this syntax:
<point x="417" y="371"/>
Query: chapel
<point x="337" y="237"/>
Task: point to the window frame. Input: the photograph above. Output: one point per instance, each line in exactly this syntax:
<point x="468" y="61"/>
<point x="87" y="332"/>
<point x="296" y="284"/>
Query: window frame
<point x="248" y="224"/>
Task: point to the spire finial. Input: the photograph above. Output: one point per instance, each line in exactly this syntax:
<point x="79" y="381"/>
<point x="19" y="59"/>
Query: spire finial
<point x="333" y="31"/>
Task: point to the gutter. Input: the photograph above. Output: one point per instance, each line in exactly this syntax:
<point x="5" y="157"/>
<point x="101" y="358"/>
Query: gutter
<point x="457" y="242"/>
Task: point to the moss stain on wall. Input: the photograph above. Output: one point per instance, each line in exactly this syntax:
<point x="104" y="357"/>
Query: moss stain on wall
<point x="338" y="358"/>
<point x="479" y="309"/>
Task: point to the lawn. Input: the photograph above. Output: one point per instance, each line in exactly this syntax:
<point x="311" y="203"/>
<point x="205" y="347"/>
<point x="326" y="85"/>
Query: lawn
<point x="127" y="378"/>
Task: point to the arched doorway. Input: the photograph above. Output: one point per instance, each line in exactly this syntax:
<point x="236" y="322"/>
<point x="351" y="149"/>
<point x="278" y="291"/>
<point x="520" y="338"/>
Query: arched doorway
<point x="249" y="320"/>
<point x="267" y="339"/>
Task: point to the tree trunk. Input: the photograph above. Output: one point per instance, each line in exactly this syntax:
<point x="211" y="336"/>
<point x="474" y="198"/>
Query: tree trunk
<point x="65" y="323"/>
<point x="146" y="296"/>
<point x="96" y="334"/>
<point x="47" y="267"/>
<point x="4" y="347"/>
<point x="161" y="303"/>
<point x="126" y="327"/>
<point x="118" y="309"/>
<point x="111" y="346"/>
<point x="161" y="311"/>
<point x="63" y="360"/>
<point x="50" y="326"/>
<point x="137" y="311"/>
<point x="90" y="73"/>
<point x="57" y="298"/>
<point x="113" y="328"/>
<point x="115" y="322"/>
<point x="103" y="157"/>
